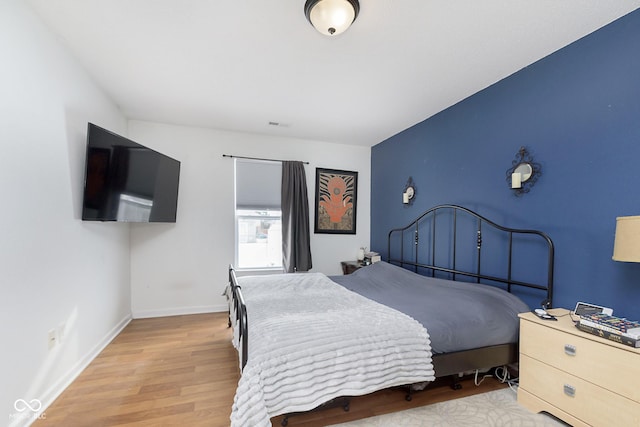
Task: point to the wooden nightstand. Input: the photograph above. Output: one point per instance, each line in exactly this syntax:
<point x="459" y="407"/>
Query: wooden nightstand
<point x="349" y="267"/>
<point x="580" y="378"/>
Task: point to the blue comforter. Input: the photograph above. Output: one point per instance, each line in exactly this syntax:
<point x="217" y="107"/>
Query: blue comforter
<point x="458" y="315"/>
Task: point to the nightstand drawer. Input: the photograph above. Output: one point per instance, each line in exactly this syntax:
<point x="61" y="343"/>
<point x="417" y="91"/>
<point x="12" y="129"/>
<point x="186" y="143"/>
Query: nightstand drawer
<point x="602" y="364"/>
<point x="590" y="403"/>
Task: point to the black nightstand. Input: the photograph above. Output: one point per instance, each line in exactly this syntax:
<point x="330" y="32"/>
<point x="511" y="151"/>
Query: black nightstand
<point x="349" y="267"/>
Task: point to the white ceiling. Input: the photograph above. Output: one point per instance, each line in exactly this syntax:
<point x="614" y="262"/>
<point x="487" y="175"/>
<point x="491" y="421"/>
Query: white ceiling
<point x="240" y="64"/>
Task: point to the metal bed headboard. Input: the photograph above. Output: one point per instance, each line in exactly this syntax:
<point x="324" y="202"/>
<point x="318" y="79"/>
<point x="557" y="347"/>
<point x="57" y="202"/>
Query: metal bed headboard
<point x="431" y="216"/>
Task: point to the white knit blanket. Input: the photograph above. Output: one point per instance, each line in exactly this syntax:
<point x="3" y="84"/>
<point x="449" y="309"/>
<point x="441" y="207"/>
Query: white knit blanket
<point x="311" y="340"/>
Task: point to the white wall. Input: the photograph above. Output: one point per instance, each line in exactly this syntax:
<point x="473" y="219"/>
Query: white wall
<point x="182" y="267"/>
<point x="54" y="268"/>
<point x="58" y="270"/>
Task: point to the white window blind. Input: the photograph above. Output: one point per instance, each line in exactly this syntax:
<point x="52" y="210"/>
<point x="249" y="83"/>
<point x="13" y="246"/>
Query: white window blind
<point x="258" y="184"/>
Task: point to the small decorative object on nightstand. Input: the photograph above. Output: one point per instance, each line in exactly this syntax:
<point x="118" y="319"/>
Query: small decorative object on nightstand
<point x="349" y="267"/>
<point x="580" y="378"/>
<point x="371" y="257"/>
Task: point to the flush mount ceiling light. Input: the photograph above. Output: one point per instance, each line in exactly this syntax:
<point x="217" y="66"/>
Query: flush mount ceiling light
<point x="331" y="17"/>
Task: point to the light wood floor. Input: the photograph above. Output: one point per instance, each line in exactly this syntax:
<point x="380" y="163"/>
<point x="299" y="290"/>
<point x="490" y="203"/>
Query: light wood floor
<point x="183" y="370"/>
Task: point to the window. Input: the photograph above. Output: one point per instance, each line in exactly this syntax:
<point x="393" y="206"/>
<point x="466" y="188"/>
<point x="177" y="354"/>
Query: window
<point x="258" y="215"/>
<point x="259" y="239"/>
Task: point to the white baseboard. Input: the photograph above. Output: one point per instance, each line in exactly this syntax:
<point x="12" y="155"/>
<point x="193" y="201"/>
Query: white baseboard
<point x="59" y="386"/>
<point x="179" y="311"/>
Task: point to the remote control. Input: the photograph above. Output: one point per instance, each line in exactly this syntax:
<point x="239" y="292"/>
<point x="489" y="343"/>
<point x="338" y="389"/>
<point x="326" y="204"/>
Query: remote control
<point x="541" y="313"/>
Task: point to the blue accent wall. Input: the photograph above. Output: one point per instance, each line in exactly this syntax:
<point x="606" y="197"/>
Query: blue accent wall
<point x="578" y="113"/>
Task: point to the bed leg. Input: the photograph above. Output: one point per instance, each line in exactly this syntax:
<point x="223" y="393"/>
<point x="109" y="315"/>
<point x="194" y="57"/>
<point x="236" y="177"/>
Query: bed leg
<point x="455" y="384"/>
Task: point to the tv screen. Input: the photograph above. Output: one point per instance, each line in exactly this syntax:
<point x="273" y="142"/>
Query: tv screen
<point x="125" y="181"/>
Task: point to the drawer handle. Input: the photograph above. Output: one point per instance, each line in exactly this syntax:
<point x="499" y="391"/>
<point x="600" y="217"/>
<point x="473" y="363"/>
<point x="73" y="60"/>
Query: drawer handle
<point x="569" y="390"/>
<point x="570" y="350"/>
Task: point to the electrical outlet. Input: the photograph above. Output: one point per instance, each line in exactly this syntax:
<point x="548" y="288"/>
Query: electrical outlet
<point x="53" y="338"/>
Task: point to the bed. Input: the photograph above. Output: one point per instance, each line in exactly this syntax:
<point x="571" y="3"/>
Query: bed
<point x="442" y="303"/>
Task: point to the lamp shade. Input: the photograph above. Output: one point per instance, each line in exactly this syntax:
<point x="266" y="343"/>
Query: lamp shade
<point x="627" y="243"/>
<point x="331" y="17"/>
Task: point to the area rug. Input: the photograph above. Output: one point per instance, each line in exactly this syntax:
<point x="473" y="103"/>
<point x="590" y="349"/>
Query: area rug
<point x="496" y="409"/>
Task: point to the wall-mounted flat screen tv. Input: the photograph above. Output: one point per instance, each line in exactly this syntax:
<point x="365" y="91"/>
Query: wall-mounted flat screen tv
<point x="127" y="182"/>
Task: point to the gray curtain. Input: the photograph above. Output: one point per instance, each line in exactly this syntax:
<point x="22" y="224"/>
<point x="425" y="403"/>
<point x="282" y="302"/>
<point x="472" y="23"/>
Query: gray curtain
<point x="296" y="246"/>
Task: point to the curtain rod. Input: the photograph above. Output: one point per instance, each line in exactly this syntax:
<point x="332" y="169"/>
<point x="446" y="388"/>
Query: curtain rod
<point x="256" y="158"/>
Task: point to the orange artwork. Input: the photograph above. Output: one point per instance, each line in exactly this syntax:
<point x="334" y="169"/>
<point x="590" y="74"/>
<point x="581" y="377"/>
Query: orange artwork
<point x="335" y="201"/>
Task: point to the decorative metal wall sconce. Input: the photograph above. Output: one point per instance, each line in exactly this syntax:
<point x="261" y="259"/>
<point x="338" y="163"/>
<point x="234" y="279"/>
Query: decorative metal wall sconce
<point x="409" y="192"/>
<point x="523" y="173"/>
